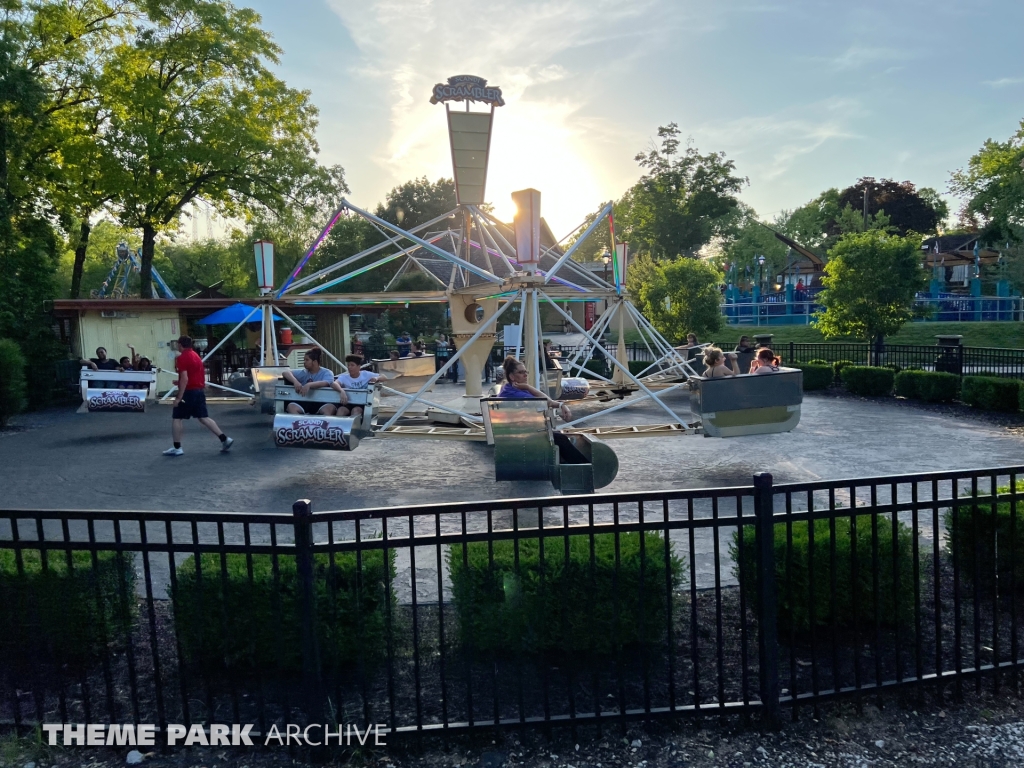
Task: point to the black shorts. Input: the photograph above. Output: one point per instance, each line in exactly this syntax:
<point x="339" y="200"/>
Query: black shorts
<point x="310" y="409"/>
<point x="193" y="403"/>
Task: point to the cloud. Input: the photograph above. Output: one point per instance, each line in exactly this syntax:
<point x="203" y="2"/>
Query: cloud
<point x="1004" y="82"/>
<point x="546" y="55"/>
<point x="769" y="145"/>
<point x="859" y="56"/>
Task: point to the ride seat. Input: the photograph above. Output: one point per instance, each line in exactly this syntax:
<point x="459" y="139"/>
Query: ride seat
<point x="313" y="430"/>
<point x="116" y="391"/>
<point x="527" y="447"/>
<point x="749" y="404"/>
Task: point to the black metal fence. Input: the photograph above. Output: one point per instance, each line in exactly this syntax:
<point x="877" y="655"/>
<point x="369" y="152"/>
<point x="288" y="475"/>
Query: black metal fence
<point x="562" y="610"/>
<point x="964" y="361"/>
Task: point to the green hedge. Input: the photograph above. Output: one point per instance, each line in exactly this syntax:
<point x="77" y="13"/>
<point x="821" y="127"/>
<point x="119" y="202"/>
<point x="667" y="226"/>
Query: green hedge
<point x="816" y="375"/>
<point x="636" y="367"/>
<point x="972" y="539"/>
<point x="838" y="367"/>
<point x="930" y="386"/>
<point x="796" y="592"/>
<point x="247" y="626"/>
<point x="991" y="393"/>
<point x="599" y="367"/>
<point x="12" y="380"/>
<point x="505" y="607"/>
<point x="866" y="380"/>
<point x="64" y="615"/>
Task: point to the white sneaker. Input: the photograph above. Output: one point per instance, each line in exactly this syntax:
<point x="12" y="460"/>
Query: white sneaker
<point x="174" y="452"/>
<point x="226" y="445"/>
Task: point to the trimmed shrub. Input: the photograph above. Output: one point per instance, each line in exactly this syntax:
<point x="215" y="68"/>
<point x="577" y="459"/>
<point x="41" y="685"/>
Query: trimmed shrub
<point x="991" y="393"/>
<point x="818" y="361"/>
<point x="816" y="376"/>
<point x="12" y="380"/>
<point x="599" y="367"/>
<point x="865" y="380"/>
<point x="906" y="384"/>
<point x="838" y="367"/>
<point x="930" y="386"/>
<point x="503" y="606"/>
<point x="60" y="614"/>
<point x="973" y="532"/>
<point x="236" y="624"/>
<point x="636" y="367"/>
<point x="797" y="592"/>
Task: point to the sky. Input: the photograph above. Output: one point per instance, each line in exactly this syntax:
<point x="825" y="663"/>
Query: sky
<point x="802" y="95"/>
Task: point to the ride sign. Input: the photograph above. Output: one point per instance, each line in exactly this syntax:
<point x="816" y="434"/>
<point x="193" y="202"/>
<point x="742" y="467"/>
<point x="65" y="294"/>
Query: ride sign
<point x="116" y="400"/>
<point x="314" y="432"/>
<point x="467" y="88"/>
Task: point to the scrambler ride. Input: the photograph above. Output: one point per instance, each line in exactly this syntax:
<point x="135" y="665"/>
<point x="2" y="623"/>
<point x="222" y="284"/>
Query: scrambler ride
<point x="483" y="268"/>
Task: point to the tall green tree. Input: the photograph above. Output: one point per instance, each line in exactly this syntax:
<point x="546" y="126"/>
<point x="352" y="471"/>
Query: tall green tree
<point x="418" y="201"/>
<point x="907" y="208"/>
<point x="69" y="44"/>
<point x="195" y="112"/>
<point x="679" y="296"/>
<point x="992" y="187"/>
<point x="871" y="280"/>
<point x="682" y="202"/>
<point x="28" y="241"/>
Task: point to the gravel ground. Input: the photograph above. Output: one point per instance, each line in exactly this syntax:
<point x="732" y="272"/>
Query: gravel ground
<point x="984" y="732"/>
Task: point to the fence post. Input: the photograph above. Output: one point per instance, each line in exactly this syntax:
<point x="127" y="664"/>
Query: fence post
<point x="792" y="356"/>
<point x="767" y="606"/>
<point x="303" y="515"/>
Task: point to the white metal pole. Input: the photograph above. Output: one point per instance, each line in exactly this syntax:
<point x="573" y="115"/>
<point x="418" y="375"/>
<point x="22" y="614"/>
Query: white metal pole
<point x="356" y="257"/>
<point x="220" y="343"/>
<point x="432" y="404"/>
<point x="453" y="359"/>
<point x="624" y="369"/>
<point x="483" y="273"/>
<point x="273" y="333"/>
<point x="619" y="406"/>
<point x="317" y="343"/>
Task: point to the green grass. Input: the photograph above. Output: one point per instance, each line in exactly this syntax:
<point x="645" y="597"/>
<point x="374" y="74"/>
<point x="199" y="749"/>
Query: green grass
<point x="1008" y="335"/>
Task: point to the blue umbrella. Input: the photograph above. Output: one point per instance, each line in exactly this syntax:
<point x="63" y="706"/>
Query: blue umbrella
<point x="233" y="315"/>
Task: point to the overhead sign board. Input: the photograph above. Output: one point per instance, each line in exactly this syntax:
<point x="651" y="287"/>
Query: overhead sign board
<point x="527" y="227"/>
<point x="467" y="88"/>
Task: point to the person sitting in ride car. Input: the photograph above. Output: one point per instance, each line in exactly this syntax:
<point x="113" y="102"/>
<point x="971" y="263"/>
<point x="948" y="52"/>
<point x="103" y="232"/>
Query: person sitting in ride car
<point x="311" y="376"/>
<point x="765" y="362"/>
<point x="515" y="386"/>
<point x="355" y="378"/>
<point x="714" y="363"/>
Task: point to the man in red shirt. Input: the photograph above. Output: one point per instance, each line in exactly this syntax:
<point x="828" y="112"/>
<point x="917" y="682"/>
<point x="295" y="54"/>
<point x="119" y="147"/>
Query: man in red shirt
<point x="191" y="399"/>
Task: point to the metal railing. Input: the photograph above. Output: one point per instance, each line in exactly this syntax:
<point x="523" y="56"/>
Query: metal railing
<point x="775" y="310"/>
<point x="963" y="361"/>
<point x="562" y="610"/>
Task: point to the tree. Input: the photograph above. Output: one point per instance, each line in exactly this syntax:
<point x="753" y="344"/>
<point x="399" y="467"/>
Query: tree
<point x="417" y="202"/>
<point x="418" y="319"/>
<point x="683" y="200"/>
<point x="751" y="238"/>
<point x="871" y="281"/>
<point x="195" y="112"/>
<point x="28" y="241"/>
<point x="992" y="187"/>
<point x="679" y="296"/>
<point x="70" y="41"/>
<point x="908" y="209"/>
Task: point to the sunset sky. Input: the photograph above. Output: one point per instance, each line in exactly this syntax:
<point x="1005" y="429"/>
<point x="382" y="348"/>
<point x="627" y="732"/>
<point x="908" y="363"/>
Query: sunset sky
<point x="802" y="95"/>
